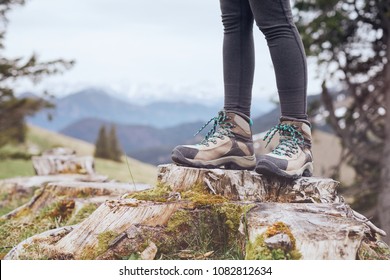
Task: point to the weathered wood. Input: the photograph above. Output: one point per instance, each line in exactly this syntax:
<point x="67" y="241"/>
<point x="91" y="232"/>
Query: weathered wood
<point x="25" y="250"/>
<point x="79" y="192"/>
<point x="322" y="231"/>
<point x="115" y="216"/>
<point x="17" y="191"/>
<point x="168" y="221"/>
<point x="63" y="164"/>
<point x="249" y="186"/>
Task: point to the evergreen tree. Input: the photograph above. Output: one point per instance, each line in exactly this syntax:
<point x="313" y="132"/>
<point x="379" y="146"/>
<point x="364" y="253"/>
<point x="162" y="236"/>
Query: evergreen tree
<point x="114" y="146"/>
<point x="351" y="41"/>
<point x="101" y="144"/>
<point x="13" y="110"/>
<point x="107" y="145"/>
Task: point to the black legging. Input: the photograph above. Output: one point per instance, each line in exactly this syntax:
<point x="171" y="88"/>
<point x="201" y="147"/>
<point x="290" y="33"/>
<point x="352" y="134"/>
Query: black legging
<point x="274" y="19"/>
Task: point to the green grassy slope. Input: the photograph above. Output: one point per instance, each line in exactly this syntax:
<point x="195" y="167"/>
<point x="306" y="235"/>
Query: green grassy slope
<point x="39" y="139"/>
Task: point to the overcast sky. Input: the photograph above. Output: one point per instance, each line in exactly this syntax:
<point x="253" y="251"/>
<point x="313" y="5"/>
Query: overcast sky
<point x="133" y="47"/>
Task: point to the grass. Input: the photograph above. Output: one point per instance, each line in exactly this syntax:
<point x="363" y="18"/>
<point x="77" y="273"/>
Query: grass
<point x="44" y="139"/>
<point x="39" y="139"/>
<point x="15" y="167"/>
<point x="142" y="173"/>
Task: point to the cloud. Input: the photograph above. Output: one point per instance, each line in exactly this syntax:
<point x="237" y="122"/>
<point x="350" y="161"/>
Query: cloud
<point x="127" y="42"/>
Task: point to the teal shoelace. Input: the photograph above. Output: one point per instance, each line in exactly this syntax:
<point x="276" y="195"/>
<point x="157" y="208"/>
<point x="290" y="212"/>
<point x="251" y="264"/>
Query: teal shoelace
<point x="290" y="139"/>
<point x="221" y="128"/>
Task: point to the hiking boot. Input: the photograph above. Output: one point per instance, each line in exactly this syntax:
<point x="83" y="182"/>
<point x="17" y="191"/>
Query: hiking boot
<point x="292" y="157"/>
<point x="227" y="145"/>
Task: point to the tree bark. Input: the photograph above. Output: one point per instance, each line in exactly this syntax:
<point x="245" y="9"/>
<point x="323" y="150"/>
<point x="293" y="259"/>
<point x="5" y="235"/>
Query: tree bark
<point x="384" y="195"/>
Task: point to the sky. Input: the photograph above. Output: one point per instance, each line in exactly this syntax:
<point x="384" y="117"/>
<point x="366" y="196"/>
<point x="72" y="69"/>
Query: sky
<point x="142" y="50"/>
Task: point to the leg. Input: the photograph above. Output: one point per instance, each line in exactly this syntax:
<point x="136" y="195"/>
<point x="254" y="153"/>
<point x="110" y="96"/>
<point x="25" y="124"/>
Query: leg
<point x="292" y="157"/>
<point x="238" y="54"/>
<point x="229" y="143"/>
<point x="274" y="19"/>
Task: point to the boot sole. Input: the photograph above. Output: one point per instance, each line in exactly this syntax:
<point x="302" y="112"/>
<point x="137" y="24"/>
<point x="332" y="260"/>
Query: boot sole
<point x="268" y="168"/>
<point x="231" y="162"/>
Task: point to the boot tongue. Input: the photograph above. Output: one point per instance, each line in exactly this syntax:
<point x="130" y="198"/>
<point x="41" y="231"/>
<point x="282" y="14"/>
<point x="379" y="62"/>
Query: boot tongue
<point x="242" y="124"/>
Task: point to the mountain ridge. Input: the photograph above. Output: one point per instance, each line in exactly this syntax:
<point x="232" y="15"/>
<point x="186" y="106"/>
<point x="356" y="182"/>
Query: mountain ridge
<point x="97" y="103"/>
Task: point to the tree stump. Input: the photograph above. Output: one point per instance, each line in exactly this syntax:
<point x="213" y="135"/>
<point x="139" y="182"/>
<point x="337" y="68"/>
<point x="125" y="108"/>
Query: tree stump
<point x="249" y="186"/>
<point x="63" y="164"/>
<point x="321" y="231"/>
<point x="58" y="204"/>
<point x="18" y="191"/>
<point x="216" y="214"/>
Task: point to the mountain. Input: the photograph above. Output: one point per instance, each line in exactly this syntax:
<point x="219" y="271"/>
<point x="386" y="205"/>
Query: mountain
<point x="135" y="138"/>
<point x="271" y="118"/>
<point x="98" y="104"/>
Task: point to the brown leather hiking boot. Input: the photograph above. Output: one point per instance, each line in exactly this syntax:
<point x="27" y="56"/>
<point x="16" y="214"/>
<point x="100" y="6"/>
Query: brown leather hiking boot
<point x="292" y="157"/>
<point x="228" y="145"/>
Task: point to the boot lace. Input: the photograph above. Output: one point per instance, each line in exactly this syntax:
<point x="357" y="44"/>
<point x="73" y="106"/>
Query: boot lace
<point x="290" y="139"/>
<point x="221" y="128"/>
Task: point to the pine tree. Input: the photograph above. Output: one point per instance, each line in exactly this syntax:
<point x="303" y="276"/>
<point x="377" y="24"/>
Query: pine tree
<point x="114" y="146"/>
<point x="101" y="144"/>
<point x="13" y="110"/>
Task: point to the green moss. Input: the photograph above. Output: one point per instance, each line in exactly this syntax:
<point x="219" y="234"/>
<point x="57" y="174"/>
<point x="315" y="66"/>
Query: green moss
<point x="14" y="231"/>
<point x="373" y="250"/>
<point x="205" y="229"/>
<point x="82" y="214"/>
<point x="11" y="200"/>
<point x="199" y="196"/>
<point x="258" y="250"/>
<point x="180" y="220"/>
<point x="104" y="239"/>
<point x="59" y="211"/>
<point x="160" y="193"/>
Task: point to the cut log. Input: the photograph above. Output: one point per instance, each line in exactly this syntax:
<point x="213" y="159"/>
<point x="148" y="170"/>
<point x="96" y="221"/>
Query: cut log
<point x="63" y="164"/>
<point x="249" y="186"/>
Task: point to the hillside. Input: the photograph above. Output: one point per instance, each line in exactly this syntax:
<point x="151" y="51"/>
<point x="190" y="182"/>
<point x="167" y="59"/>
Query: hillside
<point x="137" y="139"/>
<point x="39" y="139"/>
